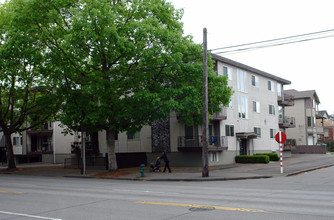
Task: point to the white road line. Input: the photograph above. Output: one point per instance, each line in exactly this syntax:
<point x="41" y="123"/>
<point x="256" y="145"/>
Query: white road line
<point x="29" y="216"/>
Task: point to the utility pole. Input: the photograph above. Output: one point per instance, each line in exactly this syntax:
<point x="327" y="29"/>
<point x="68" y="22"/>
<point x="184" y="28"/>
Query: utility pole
<point x="205" y="156"/>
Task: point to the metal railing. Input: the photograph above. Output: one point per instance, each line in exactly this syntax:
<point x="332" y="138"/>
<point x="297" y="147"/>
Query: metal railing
<point x="196" y="141"/>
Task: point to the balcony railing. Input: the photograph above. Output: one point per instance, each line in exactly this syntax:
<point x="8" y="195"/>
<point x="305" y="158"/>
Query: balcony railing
<point x="287" y="122"/>
<point x="286" y="100"/>
<point x="218" y="116"/>
<point x="195" y="144"/>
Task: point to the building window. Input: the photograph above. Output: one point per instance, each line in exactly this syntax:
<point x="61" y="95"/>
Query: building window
<point x="255" y="81"/>
<point x="227" y="71"/>
<point x="189" y="132"/>
<point x="280" y="112"/>
<point x="135" y="135"/>
<point x="17" y="141"/>
<point x="270" y="85"/>
<point x="214" y="157"/>
<point x="279" y="89"/>
<point x="257" y="131"/>
<point x="230" y="104"/>
<point x="241" y="81"/>
<point x="271" y="110"/>
<point x="272" y="133"/>
<point x="256" y="107"/>
<point x="311" y="122"/>
<point x="229" y="129"/>
<point x="242" y="106"/>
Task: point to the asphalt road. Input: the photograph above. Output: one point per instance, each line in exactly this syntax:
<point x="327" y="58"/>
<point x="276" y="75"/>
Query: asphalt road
<point x="306" y="196"/>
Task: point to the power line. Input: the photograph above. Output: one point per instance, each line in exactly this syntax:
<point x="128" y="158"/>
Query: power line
<point x="271" y="45"/>
<point x="277" y="39"/>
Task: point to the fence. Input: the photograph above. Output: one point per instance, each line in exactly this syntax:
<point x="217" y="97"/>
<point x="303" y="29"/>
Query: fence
<point x="308" y="149"/>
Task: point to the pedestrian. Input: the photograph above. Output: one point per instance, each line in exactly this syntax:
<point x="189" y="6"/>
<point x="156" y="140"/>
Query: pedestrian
<point x="165" y="158"/>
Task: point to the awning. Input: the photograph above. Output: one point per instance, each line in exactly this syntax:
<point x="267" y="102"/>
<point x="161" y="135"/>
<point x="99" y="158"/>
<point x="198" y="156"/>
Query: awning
<point x="246" y="135"/>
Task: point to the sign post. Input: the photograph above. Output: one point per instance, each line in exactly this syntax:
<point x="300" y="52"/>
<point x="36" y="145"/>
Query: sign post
<point x="281" y="138"/>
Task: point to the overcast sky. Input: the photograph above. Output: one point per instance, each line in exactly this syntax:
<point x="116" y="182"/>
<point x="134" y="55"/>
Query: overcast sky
<point x="308" y="65"/>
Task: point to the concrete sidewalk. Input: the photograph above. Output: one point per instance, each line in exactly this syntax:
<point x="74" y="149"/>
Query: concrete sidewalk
<point x="296" y="164"/>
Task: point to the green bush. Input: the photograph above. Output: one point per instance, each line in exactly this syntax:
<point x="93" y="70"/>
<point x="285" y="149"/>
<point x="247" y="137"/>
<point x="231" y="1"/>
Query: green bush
<point x="252" y="159"/>
<point x="272" y="156"/>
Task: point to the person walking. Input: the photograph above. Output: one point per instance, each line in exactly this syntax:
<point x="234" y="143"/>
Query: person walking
<point x="166" y="160"/>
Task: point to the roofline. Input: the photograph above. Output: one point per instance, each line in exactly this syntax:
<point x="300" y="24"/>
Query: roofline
<point x="249" y="68"/>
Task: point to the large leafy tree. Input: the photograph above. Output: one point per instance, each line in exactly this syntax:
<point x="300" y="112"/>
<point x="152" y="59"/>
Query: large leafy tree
<point x="26" y="97"/>
<point x="123" y="64"/>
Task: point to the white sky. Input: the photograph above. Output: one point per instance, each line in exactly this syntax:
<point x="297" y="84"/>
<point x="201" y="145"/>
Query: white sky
<point x="308" y="65"/>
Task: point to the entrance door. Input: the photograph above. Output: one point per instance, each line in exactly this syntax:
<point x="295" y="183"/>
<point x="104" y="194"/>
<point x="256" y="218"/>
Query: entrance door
<point x="243" y="147"/>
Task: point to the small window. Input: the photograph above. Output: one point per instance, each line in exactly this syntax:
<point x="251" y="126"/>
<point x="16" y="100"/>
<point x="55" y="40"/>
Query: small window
<point x="272" y="133"/>
<point x="214" y="157"/>
<point x="189" y="132"/>
<point x="270" y="86"/>
<point x="271" y="110"/>
<point x="257" y="131"/>
<point x="227" y="72"/>
<point x="229" y="129"/>
<point x="256" y="107"/>
<point x="255" y="81"/>
<point x="309" y="122"/>
<point x="17" y="141"/>
<point x="135" y="135"/>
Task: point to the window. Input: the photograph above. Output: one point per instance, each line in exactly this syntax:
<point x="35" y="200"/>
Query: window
<point x="227" y="71"/>
<point x="271" y="110"/>
<point x="135" y="135"/>
<point x="230" y="104"/>
<point x="255" y="81"/>
<point x="242" y="106"/>
<point x="309" y="122"/>
<point x="214" y="157"/>
<point x="279" y="89"/>
<point x="241" y="80"/>
<point x="17" y="140"/>
<point x="229" y="129"/>
<point x="189" y="132"/>
<point x="256" y="107"/>
<point x="280" y="112"/>
<point x="257" y="131"/>
<point x="270" y="86"/>
<point x="272" y="133"/>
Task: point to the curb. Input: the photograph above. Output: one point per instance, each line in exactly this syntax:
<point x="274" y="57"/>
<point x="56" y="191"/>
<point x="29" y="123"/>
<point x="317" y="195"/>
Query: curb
<point x="308" y="170"/>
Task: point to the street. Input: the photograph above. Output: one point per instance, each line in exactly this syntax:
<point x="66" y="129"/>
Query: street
<point x="305" y="196"/>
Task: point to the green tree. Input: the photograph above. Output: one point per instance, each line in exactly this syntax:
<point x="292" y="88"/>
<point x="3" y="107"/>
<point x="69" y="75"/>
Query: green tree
<point x="26" y="97"/>
<point x="123" y="64"/>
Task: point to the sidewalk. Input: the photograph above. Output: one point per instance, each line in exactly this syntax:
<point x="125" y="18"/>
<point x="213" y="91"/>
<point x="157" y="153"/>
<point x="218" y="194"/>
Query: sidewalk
<point x="298" y="163"/>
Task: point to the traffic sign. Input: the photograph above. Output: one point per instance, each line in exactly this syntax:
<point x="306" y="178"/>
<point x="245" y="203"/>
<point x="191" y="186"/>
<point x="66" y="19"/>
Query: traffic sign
<point x="280" y="138"/>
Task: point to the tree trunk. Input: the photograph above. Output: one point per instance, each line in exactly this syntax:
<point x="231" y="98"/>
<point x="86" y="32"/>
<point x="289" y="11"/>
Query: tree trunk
<point x="111" y="150"/>
<point x="10" y="152"/>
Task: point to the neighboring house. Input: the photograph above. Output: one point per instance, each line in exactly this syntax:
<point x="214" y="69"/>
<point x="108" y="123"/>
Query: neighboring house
<point x="326" y="123"/>
<point x="305" y="111"/>
<point x="247" y="126"/>
<point x="48" y="144"/>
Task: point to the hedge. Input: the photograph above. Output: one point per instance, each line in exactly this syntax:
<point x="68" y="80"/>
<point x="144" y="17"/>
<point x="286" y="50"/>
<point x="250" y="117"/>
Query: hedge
<point x="252" y="159"/>
<point x="272" y="156"/>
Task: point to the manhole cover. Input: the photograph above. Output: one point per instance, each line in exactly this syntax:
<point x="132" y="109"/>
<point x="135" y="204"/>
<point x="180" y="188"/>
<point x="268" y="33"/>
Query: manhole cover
<point x="201" y="208"/>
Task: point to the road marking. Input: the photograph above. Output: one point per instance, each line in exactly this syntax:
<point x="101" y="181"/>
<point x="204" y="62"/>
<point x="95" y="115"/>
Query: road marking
<point x="2" y="191"/>
<point x="29" y="216"/>
<point x="201" y="206"/>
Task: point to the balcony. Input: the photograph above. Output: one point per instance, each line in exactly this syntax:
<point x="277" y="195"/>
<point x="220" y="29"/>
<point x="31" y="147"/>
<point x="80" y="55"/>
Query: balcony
<point x="219" y="116"/>
<point x="287" y="122"/>
<point x="194" y="144"/>
<point x="45" y="131"/>
<point x="286" y="100"/>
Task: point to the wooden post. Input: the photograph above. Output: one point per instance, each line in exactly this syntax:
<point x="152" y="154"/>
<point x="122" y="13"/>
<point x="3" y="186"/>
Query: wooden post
<point x="205" y="156"/>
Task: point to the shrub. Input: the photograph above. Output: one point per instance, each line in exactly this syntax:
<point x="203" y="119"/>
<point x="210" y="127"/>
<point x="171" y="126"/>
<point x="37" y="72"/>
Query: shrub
<point x="252" y="159"/>
<point x="272" y="156"/>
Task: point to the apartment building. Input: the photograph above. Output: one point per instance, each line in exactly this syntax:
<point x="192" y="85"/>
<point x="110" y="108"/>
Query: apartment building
<point x="247" y="126"/>
<point x="325" y="124"/>
<point x="48" y="144"/>
<point x="305" y="111"/>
